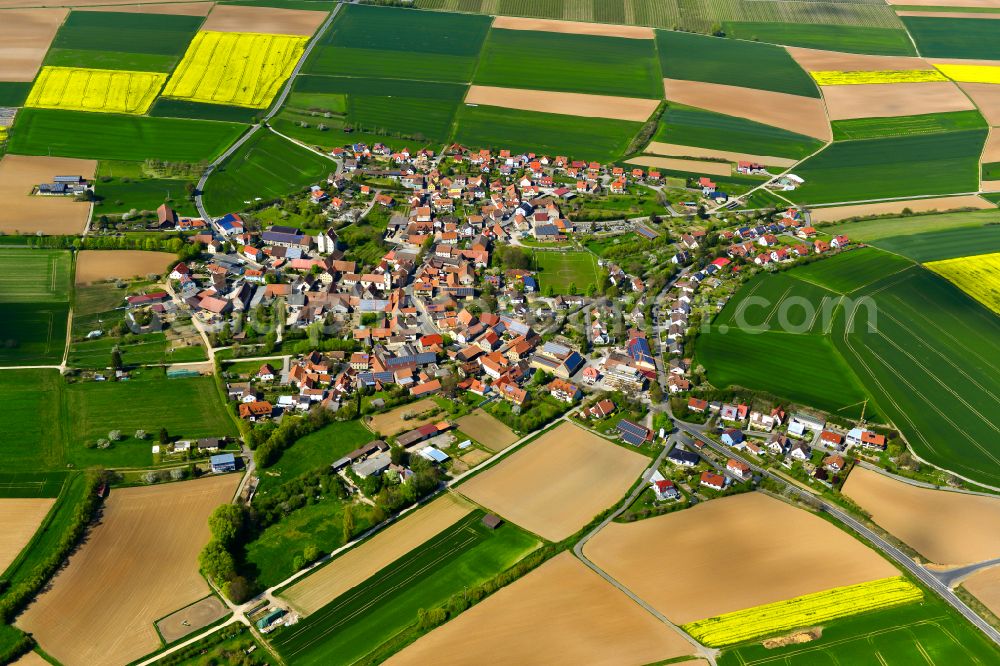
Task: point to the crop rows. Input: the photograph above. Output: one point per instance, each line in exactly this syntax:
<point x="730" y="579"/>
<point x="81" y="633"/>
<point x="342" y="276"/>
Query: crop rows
<point x="840" y="78"/>
<point x="804" y="611"/>
<point x="81" y="89"/>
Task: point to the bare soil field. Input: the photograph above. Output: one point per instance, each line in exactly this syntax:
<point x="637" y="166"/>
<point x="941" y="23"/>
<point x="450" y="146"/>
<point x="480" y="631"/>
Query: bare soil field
<point x="942" y="204"/>
<point x="987" y="98"/>
<point x="139" y="563"/>
<point x="804" y="115"/>
<point x="475" y="457"/>
<point x="357" y="565"/>
<point x="268" y="20"/>
<point x="192" y="618"/>
<point x="176" y="8"/>
<point x="991" y="151"/>
<point x="24" y="213"/>
<point x="573" y="104"/>
<point x="948" y="3"/>
<point x="558" y="483"/>
<point x="573" y="27"/>
<point x="677" y="150"/>
<point x="989" y="185"/>
<point x="945" y="527"/>
<point x="677" y="164"/>
<point x="815" y="60"/>
<point x="772" y="552"/>
<point x="31" y="659"/>
<point x="985" y="586"/>
<point x="879" y="100"/>
<point x="560" y="613"/>
<point x="96" y="265"/>
<point x="19" y="519"/>
<point x="25" y="35"/>
<point x="487" y="430"/>
<point x="969" y="15"/>
<point x="392" y="422"/>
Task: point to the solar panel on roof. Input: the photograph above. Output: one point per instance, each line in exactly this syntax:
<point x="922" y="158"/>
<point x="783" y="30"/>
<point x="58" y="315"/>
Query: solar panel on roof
<point x="633" y="439"/>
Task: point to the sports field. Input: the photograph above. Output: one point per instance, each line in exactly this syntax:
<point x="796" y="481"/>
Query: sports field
<point x="945" y="244"/>
<point x="978" y="276"/>
<point x="566" y="272"/>
<point x="266" y="167"/>
<point x="358" y="621"/>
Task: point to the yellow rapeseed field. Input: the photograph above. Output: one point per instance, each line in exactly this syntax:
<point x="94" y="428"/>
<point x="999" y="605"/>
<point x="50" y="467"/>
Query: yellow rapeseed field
<point x="804" y="611"/>
<point x="971" y="73"/>
<point x="837" y="78"/>
<point x="978" y="276"/>
<point x="105" y="90"/>
<point x="237" y="68"/>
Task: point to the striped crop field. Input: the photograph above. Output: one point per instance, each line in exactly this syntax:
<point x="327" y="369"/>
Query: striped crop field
<point x="978" y="276"/>
<point x="971" y="73"/>
<point x="805" y="611"/>
<point x="104" y="90"/>
<point x="237" y="68"/>
<point x="838" y="78"/>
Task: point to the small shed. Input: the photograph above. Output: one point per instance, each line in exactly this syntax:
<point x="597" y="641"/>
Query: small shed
<point x="271" y="618"/>
<point x="224" y="462"/>
<point x="492" y="521"/>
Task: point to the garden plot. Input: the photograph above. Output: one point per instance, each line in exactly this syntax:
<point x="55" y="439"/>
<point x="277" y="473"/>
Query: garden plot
<point x="139" y="563"/>
<point x="487" y="430"/>
<point x="27" y="214"/>
<point x="395" y="420"/>
<point x="558" y="483"/>
<point x="25" y="35"/>
<point x="576" y="104"/>
<point x="880" y="100"/>
<point x="560" y="613"/>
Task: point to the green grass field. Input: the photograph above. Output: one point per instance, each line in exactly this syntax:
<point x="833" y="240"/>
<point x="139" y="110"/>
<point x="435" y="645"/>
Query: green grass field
<point x="947" y="244"/>
<point x="689" y="126"/>
<point x="931" y="123"/>
<point x="779" y="302"/>
<point x="851" y="270"/>
<point x="183" y="108"/>
<point x="135" y="350"/>
<point x="847" y="38"/>
<point x="546" y="133"/>
<point x="30" y="276"/>
<point x="360" y="620"/>
<point x="885" y="227"/>
<point x="127" y="32"/>
<point x="187" y="408"/>
<point x="120" y="195"/>
<point x="925" y="633"/>
<point x="737" y="63"/>
<point x="570" y="63"/>
<point x="134" y="62"/>
<point x="561" y="271"/>
<point x="106" y="136"/>
<point x="413" y="45"/>
<point x="32" y="437"/>
<point x="955" y="37"/>
<point x="266" y="166"/>
<point x="943" y="163"/>
<point x="35" y="287"/>
<point x="13" y="93"/>
<point x="31" y="484"/>
<point x="991" y="171"/>
<point x="313" y="451"/>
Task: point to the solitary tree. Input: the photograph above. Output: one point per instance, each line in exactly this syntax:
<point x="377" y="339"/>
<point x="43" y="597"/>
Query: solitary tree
<point x="116" y="359"/>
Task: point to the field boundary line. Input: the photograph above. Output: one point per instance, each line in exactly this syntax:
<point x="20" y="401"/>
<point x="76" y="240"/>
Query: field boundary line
<point x="944" y="331"/>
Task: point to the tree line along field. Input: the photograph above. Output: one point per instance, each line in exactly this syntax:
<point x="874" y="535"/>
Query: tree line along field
<point x="360" y="620"/>
<point x="35" y="288"/>
<point x="266" y="166"/>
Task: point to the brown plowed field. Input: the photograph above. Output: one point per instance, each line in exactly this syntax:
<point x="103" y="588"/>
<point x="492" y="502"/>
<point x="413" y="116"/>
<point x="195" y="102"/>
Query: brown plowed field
<point x="730" y="554"/>
<point x="178" y="8"/>
<point x="137" y="564"/>
<point x="268" y="20"/>
<point x="359" y="564"/>
<point x="487" y="430"/>
<point x="987" y="98"/>
<point x="677" y="150"/>
<point x="571" y="104"/>
<point x="985" y="586"/>
<point x="991" y="151"/>
<point x="676" y="164"/>
<point x="880" y="100"/>
<point x="942" y="204"/>
<point x="31" y="659"/>
<point x="19" y="520"/>
<point x="804" y="115"/>
<point x="815" y="60"/>
<point x="573" y="27"/>
<point x="95" y="265"/>
<point x="392" y="422"/>
<point x="969" y="15"/>
<point x="556" y="484"/>
<point x="27" y="214"/>
<point x="989" y="185"/>
<point x="946" y="528"/>
<point x="25" y="35"/>
<point x="191" y="618"/>
<point x="948" y="3"/>
<point x="560" y="613"/>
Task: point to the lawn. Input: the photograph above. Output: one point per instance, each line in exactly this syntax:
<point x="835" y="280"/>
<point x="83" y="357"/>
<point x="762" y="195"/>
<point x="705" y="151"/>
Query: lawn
<point x="357" y="622"/>
<point x="570" y="63"/>
<point x="852" y="270"/>
<point x="183" y="108"/>
<point x="955" y="37"/>
<point x="120" y="195"/>
<point x="428" y="46"/>
<point x="947" y="244"/>
<point x="32" y="436"/>
<point x="266" y="167"/>
<point x="135" y="350"/>
<point x="943" y="163"/>
<point x="118" y="137"/>
<point x="928" y="632"/>
<point x="846" y="38"/>
<point x="543" y="133"/>
<point x="563" y="271"/>
<point x="692" y="57"/>
<point x="187" y="408"/>
<point x="930" y="123"/>
<point x="315" y="450"/>
<point x="872" y="230"/>
<point x="689" y="126"/>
